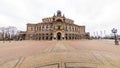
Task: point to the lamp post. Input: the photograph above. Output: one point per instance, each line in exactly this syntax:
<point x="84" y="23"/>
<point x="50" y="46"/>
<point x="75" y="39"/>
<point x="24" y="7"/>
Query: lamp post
<point x="115" y="31"/>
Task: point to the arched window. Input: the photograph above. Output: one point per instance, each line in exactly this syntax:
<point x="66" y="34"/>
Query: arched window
<point x="51" y="34"/>
<point x="59" y="20"/>
<point x="59" y="27"/>
<point x="46" y="33"/>
<point x="39" y="28"/>
<point x="46" y="27"/>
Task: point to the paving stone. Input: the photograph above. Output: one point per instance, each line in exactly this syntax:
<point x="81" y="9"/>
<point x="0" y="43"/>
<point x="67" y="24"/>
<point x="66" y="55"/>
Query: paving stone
<point x="60" y="54"/>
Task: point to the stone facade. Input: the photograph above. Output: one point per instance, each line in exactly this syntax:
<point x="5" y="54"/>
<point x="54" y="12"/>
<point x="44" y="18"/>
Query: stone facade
<point x="57" y="27"/>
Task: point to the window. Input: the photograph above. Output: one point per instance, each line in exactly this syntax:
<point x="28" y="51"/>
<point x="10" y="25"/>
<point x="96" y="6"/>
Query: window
<point x="59" y="27"/>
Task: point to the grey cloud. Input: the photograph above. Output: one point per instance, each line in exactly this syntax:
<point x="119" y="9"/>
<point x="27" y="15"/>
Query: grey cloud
<point x="97" y="15"/>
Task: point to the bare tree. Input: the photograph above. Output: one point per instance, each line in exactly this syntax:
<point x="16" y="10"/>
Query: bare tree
<point x="8" y="33"/>
<point x="3" y="31"/>
<point x="12" y="31"/>
<point x="17" y="35"/>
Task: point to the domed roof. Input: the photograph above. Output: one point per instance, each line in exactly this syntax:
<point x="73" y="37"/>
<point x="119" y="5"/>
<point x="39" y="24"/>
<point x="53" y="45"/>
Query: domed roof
<point x="58" y="13"/>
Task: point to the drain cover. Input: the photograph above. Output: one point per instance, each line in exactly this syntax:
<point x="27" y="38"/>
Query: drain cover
<point x="49" y="66"/>
<point x="80" y="65"/>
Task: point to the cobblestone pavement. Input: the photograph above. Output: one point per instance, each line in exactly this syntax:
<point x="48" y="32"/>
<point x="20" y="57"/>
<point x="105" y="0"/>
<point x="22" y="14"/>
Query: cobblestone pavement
<point x="60" y="54"/>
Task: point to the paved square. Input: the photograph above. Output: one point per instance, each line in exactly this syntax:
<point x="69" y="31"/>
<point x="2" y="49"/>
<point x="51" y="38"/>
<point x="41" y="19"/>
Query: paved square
<point x="67" y="54"/>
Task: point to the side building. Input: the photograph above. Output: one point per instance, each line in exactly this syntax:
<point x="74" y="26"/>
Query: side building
<point x="57" y="27"/>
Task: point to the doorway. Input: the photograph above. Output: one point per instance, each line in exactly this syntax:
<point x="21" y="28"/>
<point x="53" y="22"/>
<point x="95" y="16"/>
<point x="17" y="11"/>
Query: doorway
<point x="58" y="36"/>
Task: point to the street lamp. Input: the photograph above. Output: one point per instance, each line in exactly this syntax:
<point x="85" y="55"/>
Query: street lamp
<point x="115" y="31"/>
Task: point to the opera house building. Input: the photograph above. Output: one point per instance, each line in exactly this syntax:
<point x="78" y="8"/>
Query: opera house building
<point x="57" y="27"/>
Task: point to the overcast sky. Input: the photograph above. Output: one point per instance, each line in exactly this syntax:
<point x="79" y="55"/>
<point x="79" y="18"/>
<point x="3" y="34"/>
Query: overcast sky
<point x="96" y="15"/>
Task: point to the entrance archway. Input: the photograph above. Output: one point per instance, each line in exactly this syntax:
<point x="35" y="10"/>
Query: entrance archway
<point x="58" y="36"/>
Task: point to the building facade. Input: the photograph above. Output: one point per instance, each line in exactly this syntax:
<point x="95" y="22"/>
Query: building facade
<point x="57" y="27"/>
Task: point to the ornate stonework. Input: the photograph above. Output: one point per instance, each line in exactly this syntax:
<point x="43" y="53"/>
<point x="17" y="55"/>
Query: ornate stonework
<point x="57" y="27"/>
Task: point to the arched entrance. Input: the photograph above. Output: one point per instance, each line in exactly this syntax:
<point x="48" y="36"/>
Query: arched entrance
<point x="58" y="36"/>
